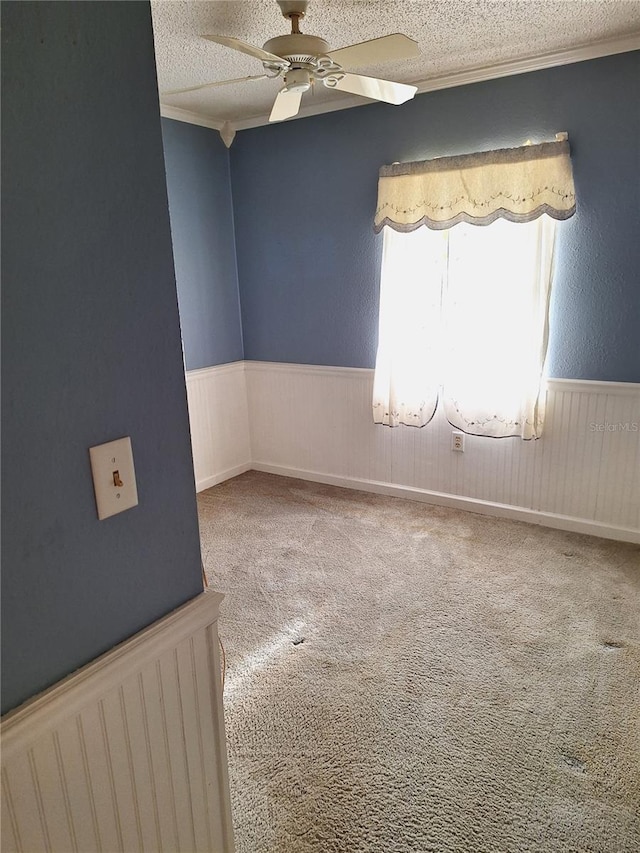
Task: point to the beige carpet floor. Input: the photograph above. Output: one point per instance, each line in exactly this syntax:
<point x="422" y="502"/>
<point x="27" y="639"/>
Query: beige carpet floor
<point x="403" y="678"/>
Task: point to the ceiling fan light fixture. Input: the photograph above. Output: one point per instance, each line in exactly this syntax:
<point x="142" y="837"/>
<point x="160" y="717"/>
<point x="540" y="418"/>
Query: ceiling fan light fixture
<point x="297" y="80"/>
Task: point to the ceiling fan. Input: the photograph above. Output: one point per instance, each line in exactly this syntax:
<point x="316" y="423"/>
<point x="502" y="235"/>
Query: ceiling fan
<point x="302" y="60"/>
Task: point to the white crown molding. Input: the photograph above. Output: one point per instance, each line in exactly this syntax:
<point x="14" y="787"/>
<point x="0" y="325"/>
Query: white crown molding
<point x="581" y="53"/>
<point x="479" y="74"/>
<point x="190" y="117"/>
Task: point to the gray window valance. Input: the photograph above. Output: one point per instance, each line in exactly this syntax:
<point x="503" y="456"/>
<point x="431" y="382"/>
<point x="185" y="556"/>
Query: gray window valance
<point x="519" y="184"/>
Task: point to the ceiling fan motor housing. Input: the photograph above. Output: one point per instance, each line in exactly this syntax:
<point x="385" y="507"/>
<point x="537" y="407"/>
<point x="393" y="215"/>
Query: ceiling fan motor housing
<point x="298" y="48"/>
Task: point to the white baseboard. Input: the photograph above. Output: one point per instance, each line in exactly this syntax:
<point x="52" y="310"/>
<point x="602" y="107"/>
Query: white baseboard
<point x="215" y="479"/>
<point x="546" y="519"/>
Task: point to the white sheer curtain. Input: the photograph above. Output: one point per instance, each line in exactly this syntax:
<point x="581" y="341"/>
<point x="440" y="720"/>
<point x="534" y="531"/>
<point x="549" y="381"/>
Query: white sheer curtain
<point x="465" y="309"/>
<point x="494" y="314"/>
<point x="464" y="301"/>
<point x="410" y="332"/>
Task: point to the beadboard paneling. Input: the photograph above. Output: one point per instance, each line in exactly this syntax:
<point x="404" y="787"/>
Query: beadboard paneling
<point x="315" y="423"/>
<point x="129" y="752"/>
<point x="219" y="418"/>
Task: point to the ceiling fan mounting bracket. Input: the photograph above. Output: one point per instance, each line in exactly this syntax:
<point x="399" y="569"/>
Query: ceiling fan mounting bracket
<point x="293" y="8"/>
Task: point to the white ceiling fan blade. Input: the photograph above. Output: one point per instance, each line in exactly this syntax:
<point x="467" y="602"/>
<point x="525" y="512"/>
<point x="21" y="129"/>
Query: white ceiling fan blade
<point x="285" y="105"/>
<point x="395" y="46"/>
<point x="244" y="47"/>
<point x="379" y="90"/>
<point x="213" y="85"/>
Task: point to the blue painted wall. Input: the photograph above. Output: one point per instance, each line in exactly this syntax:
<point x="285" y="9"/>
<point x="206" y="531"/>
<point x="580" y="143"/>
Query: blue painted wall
<point x="90" y="342"/>
<point x="198" y="183"/>
<point x="305" y="193"/>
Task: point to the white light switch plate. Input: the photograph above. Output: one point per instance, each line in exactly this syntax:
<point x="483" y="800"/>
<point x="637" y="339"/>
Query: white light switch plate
<point x="114" y="477"/>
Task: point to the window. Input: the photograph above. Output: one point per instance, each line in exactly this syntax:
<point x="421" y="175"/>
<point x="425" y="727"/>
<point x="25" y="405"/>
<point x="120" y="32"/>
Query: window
<point x="463" y="308"/>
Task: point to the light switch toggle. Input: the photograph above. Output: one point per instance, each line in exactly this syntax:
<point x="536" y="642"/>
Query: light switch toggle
<point x="114" y="477"/>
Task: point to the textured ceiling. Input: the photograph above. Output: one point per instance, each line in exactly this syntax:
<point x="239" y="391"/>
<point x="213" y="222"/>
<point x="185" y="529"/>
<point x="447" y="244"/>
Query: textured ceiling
<point x="454" y="35"/>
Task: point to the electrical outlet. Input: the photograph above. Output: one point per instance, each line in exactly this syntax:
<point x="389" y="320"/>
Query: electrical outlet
<point x="457" y="441"/>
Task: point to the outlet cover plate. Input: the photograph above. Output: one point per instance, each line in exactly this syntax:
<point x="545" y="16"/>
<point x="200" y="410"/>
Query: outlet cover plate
<point x="112" y="463"/>
<point x="457" y="441"/>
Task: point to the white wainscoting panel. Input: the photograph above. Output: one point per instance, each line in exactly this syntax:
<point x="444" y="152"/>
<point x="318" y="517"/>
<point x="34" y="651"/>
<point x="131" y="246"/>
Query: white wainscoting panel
<point x="129" y="752"/>
<point x="582" y="475"/>
<point x="217" y="398"/>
